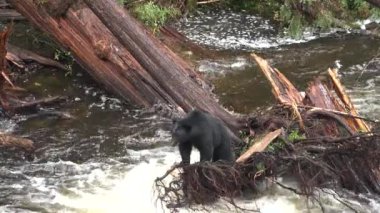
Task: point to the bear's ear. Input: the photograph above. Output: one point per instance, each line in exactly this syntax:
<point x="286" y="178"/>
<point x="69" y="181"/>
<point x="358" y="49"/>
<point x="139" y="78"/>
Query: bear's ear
<point x="196" y="112"/>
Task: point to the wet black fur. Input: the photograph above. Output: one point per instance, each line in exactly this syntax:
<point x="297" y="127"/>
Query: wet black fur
<point x="206" y="133"/>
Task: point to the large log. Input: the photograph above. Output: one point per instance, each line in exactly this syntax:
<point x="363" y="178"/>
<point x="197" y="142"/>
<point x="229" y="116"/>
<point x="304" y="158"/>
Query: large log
<point x="81" y="32"/>
<point x="120" y="53"/>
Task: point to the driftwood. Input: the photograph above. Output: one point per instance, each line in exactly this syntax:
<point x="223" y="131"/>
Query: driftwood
<point x="18" y="55"/>
<point x="3" y="3"/>
<point x="7" y="140"/>
<point x="337" y="112"/>
<point x="319" y="100"/>
<point x="21" y="106"/>
<point x="10" y="103"/>
<point x="14" y="141"/>
<point x="7" y="13"/>
<point x="282" y="89"/>
<point x="339" y="89"/>
<point x="4" y="77"/>
<point x="259" y="146"/>
<point x="10" y="14"/>
<point x="8" y="100"/>
<point x="52" y="114"/>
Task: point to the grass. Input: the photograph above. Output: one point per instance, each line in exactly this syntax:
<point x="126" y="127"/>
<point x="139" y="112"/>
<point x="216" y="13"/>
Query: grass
<point x="295" y="135"/>
<point x="154" y="15"/>
<point x="295" y="28"/>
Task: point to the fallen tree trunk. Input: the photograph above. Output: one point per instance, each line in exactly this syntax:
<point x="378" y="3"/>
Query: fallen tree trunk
<point x="121" y="54"/>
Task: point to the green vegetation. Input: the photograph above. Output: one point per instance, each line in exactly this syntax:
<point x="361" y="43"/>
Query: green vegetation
<point x="154" y="15"/>
<point x="375" y="13"/>
<point x="295" y="15"/>
<point x="122" y="2"/>
<point x="295" y="135"/>
<point x="296" y="26"/>
<point x="277" y="145"/>
<point x="67" y="58"/>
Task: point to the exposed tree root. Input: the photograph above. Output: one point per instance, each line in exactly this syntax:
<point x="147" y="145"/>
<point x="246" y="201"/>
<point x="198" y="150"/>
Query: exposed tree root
<point x="321" y="146"/>
<point x="204" y="183"/>
<point x="349" y="162"/>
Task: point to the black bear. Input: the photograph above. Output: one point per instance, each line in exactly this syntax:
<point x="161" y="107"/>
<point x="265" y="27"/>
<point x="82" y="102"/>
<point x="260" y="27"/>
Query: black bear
<point x="206" y="133"/>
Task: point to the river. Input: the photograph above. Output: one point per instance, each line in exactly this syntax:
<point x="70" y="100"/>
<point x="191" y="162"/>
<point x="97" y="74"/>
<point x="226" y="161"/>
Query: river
<point x="95" y="162"/>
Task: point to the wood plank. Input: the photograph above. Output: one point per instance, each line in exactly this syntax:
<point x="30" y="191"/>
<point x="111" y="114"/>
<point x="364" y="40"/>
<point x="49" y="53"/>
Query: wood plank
<point x="259" y="146"/>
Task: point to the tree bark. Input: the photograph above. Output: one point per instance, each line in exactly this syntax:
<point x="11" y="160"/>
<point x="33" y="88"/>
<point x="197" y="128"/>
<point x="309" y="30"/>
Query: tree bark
<point x="120" y="53"/>
<point x="169" y="70"/>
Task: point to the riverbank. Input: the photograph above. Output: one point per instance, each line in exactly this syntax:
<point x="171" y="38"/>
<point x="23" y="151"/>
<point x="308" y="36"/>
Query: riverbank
<point x="292" y="16"/>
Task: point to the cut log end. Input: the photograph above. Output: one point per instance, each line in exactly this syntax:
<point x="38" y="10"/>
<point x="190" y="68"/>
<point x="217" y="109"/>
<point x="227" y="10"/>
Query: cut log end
<point x="7" y="140"/>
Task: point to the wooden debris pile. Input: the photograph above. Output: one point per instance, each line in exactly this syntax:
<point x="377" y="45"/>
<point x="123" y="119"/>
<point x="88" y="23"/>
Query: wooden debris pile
<point x="12" y="98"/>
<point x="315" y="136"/>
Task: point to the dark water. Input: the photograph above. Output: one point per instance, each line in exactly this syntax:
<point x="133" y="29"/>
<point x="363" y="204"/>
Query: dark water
<point x="96" y="163"/>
